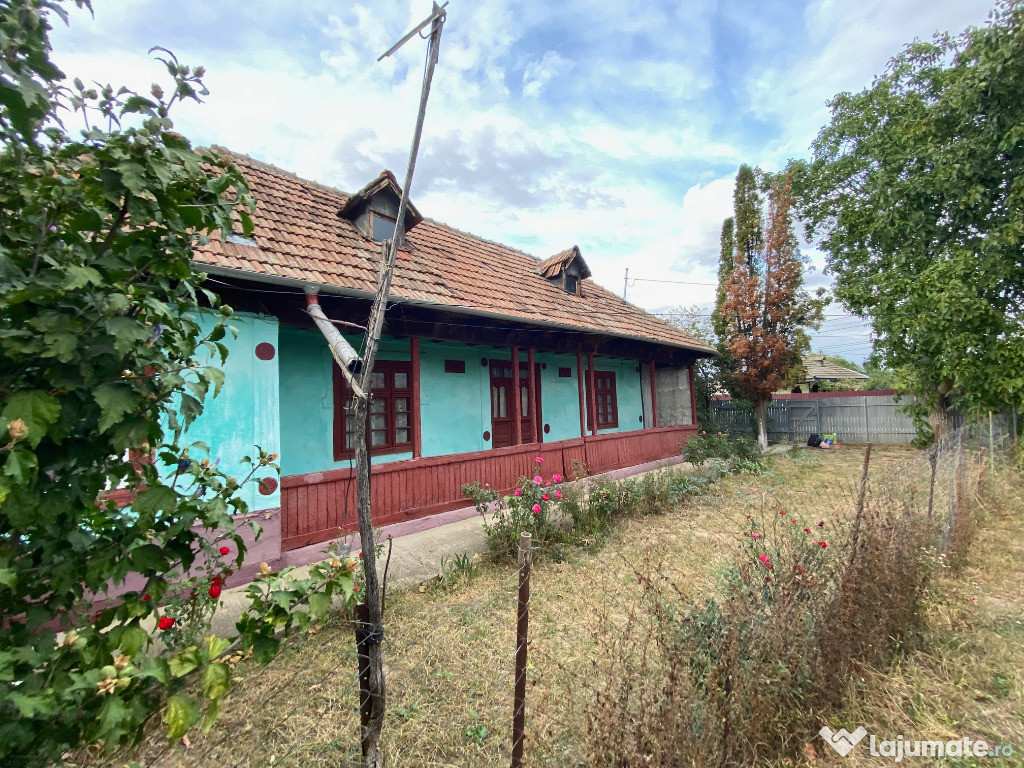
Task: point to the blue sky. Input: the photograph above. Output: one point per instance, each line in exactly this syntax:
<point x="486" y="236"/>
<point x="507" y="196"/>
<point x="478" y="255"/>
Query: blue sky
<point x="614" y="126"/>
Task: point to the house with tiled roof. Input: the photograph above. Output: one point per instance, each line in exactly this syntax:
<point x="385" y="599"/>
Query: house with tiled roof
<point x="820" y="369"/>
<point x="490" y="358"/>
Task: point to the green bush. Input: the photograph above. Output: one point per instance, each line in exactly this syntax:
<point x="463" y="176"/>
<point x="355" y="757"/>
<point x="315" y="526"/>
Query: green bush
<point x="528" y="509"/>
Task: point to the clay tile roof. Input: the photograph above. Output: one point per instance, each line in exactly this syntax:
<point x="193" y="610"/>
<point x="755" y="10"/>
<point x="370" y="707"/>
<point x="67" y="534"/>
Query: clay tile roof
<point x="558" y="263"/>
<point x="300" y="236"/>
<point x="820" y="368"/>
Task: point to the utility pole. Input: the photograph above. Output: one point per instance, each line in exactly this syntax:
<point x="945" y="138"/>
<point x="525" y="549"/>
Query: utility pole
<point x="369" y="618"/>
<point x="625" y="284"/>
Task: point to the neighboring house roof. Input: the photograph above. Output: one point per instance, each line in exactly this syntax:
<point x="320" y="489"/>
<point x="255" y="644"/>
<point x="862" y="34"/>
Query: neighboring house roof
<point x="818" y="368"/>
<point x="300" y="236"/>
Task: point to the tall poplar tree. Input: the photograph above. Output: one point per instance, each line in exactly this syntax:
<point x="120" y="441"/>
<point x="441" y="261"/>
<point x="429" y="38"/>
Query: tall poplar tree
<point x="766" y="307"/>
<point x="725" y="265"/>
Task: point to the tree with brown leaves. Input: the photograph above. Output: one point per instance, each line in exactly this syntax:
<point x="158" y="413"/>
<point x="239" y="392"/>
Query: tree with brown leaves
<point x="766" y="308"/>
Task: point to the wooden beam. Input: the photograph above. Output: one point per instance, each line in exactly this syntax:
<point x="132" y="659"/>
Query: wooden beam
<point x="592" y="400"/>
<point x="517" y="416"/>
<point x="532" y="386"/>
<point x="693" y="397"/>
<point x="417" y="434"/>
<point x="579" y="383"/>
<point x="654" y="394"/>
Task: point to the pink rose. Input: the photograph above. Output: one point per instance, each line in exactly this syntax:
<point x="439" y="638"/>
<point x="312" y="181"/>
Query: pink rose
<point x="556" y="478"/>
<point x="518" y="492"/>
<point x="545" y="497"/>
<point x="536" y="509"/>
<point x="538" y="480"/>
<point x="539" y="460"/>
<point x="558" y="494"/>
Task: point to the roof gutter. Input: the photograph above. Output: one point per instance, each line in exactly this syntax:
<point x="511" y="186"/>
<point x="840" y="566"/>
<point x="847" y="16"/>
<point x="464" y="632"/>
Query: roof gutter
<point x="303" y="285"/>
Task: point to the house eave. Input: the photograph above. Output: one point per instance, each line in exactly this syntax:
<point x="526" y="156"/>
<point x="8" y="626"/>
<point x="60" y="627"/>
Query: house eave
<point x="241" y="274"/>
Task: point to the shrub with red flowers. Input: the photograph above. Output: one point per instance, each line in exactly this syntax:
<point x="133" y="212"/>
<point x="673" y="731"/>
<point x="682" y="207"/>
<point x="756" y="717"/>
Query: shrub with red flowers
<point x="528" y="508"/>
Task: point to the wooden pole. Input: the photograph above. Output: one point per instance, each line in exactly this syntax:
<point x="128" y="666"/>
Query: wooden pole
<point x="591" y="395"/>
<point x="991" y="450"/>
<point x="580" y="385"/>
<point x="372" y="686"/>
<point x="522" y="640"/>
<point x="652" y="373"/>
<point x="531" y="379"/>
<point x="693" y="396"/>
<point x="417" y="434"/>
<point x="517" y="415"/>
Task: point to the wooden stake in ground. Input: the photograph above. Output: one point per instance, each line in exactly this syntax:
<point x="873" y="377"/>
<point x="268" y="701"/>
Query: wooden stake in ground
<point x="522" y="638"/>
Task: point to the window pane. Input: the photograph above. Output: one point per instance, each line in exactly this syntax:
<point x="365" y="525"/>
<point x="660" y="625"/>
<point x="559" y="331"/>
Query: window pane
<point x="502" y="403"/>
<point x="494" y="402"/>
<point x="378" y="421"/>
<point x="379" y="380"/>
<point x="401" y="419"/>
<point x="383" y="229"/>
<point x="402" y="436"/>
<point x="401" y="404"/>
<point x="378" y="438"/>
<point x="378" y="405"/>
<point x="524" y="401"/>
<point x="401" y="380"/>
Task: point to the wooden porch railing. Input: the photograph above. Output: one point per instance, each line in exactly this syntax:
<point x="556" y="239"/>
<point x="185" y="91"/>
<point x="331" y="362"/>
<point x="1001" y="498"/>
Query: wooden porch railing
<point x="315" y="506"/>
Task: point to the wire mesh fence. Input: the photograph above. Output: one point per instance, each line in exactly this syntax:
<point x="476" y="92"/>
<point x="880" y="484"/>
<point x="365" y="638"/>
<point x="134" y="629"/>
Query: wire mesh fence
<point x="701" y="629"/>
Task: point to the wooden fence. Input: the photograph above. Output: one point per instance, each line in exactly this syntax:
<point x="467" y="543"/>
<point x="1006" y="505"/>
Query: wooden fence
<point x="864" y="417"/>
<point x="314" y="507"/>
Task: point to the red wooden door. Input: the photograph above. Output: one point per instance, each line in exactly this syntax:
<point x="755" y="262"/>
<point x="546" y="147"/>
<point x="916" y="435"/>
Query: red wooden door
<point x="502" y="424"/>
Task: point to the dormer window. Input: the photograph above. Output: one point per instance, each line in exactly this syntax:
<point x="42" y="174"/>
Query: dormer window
<point x="567" y="270"/>
<point x="373" y="210"/>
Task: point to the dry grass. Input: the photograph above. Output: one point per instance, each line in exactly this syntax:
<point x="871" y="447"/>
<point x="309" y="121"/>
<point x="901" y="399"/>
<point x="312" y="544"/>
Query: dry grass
<point x="968" y="679"/>
<point x="449" y="653"/>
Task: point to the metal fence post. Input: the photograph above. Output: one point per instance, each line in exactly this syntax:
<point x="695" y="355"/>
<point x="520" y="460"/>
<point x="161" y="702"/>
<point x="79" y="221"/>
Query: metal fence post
<point x="867" y="422"/>
<point x="522" y="635"/>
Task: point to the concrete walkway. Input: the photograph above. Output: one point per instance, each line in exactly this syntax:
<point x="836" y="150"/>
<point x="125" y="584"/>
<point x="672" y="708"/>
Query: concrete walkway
<point x="419" y="545"/>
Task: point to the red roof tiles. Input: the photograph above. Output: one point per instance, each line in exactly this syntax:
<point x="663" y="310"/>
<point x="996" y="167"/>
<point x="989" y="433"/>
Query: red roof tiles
<point x="300" y="236"/>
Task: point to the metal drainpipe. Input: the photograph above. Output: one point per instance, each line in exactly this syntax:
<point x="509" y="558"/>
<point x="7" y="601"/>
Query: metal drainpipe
<point x="342" y="351"/>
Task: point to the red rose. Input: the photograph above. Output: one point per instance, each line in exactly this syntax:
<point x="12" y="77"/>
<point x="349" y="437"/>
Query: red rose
<point x="225" y="551"/>
<point x="807" y="530"/>
<point x="166" y="622"/>
<point x="822" y="544"/>
<point x="217" y="581"/>
<point x="215" y="591"/>
<point x="146" y="598"/>
<point x="355" y="588"/>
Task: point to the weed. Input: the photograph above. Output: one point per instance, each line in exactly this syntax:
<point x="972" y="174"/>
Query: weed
<point x="476" y="731"/>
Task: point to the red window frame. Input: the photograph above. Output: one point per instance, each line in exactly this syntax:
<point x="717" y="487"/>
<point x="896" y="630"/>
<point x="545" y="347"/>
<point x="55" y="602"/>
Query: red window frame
<point x="388" y="404"/>
<point x="606" y="404"/>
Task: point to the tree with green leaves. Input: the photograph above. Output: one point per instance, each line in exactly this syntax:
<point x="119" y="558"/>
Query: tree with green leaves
<point x="914" y="193"/>
<point x="766" y="307"/>
<point x="108" y="349"/>
<point x="726" y="262"/>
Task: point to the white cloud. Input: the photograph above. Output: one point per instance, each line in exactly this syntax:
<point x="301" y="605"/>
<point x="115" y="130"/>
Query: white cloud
<point x="539" y="73"/>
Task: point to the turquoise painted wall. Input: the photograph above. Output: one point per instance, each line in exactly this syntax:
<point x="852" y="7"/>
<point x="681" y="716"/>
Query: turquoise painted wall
<point x="455" y="408"/>
<point x="307" y="400"/>
<point x="559" y="398"/>
<point x="245" y="413"/>
<point x="627" y="393"/>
